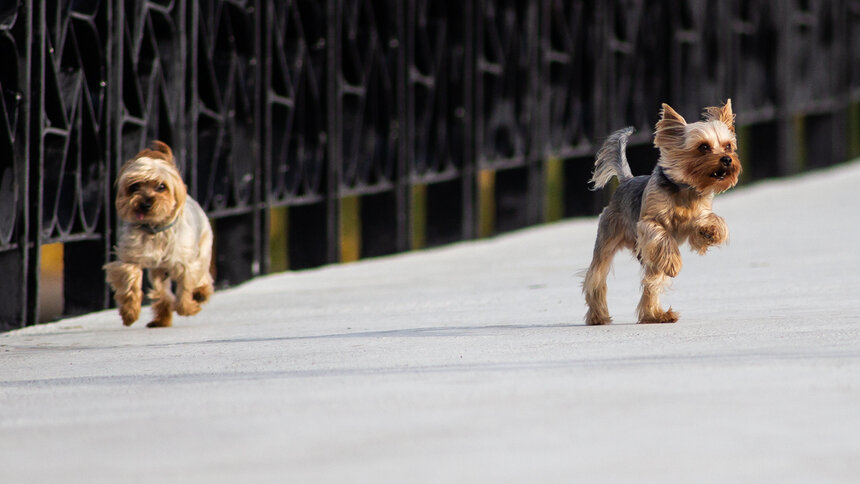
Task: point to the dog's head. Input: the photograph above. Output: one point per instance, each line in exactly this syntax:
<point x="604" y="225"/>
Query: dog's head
<point x="149" y="187"/>
<point x="703" y="154"/>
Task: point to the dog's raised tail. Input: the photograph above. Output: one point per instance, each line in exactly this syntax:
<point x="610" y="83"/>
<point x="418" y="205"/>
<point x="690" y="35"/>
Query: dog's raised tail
<point x="611" y="160"/>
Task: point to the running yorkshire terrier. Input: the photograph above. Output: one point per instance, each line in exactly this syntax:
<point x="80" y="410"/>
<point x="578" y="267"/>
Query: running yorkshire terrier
<point x="652" y="215"/>
<point x="166" y="232"/>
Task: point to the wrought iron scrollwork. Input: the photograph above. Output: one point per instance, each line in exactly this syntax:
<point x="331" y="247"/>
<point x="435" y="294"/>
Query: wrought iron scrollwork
<point x="506" y="91"/>
<point x="74" y="124"/>
<point x="296" y="101"/>
<point x="756" y="73"/>
<point x="151" y="83"/>
<point x="437" y="93"/>
<point x="699" y="59"/>
<point x="370" y="124"/>
<point x="636" y="38"/>
<point x="568" y="55"/>
<point x="817" y="62"/>
<point x="224" y="60"/>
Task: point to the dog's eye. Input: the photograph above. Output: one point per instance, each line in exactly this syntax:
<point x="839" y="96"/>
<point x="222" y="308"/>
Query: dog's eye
<point x="704" y="147"/>
<point x="133" y="188"/>
<point x="161" y="187"/>
<point x="728" y="148"/>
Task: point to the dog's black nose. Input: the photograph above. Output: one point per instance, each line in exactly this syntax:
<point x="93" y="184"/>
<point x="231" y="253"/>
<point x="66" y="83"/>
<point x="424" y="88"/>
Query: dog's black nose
<point x="146" y="205"/>
<point x="726" y="161"/>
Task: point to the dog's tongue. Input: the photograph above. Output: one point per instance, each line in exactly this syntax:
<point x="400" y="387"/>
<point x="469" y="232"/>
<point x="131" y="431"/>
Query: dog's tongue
<point x="140" y="216"/>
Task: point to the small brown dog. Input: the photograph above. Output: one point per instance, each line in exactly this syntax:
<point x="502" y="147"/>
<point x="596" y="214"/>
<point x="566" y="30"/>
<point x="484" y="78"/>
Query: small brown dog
<point x="653" y="215"/>
<point x="166" y="232"/>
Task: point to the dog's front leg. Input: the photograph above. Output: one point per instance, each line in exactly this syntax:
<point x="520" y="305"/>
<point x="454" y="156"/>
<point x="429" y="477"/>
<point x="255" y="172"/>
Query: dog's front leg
<point x="126" y="280"/>
<point x="709" y="230"/>
<point x="657" y="249"/>
<point x="649" y="308"/>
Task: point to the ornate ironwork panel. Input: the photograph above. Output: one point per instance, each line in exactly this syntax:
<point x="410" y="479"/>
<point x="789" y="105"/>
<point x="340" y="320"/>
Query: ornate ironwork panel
<point x="224" y="60"/>
<point x="816" y="63"/>
<point x="699" y="60"/>
<point x="506" y="70"/>
<point x="568" y="77"/>
<point x="756" y="78"/>
<point x="438" y="95"/>
<point x="296" y="100"/>
<point x="636" y="40"/>
<point x="74" y="119"/>
<point x="151" y="81"/>
<point x="370" y="60"/>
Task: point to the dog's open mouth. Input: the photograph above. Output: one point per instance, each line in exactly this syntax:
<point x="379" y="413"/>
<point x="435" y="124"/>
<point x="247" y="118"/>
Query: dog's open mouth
<point x="720" y="174"/>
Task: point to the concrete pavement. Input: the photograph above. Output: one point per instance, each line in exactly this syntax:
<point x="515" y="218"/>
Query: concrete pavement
<point x="470" y="363"/>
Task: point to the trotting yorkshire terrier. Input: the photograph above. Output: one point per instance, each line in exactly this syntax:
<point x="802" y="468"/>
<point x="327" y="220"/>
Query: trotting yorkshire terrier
<point x="653" y="215"/>
<point x="166" y="232"/>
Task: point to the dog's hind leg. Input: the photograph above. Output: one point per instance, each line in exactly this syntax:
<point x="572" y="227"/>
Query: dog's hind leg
<point x="609" y="241"/>
<point x="203" y="289"/>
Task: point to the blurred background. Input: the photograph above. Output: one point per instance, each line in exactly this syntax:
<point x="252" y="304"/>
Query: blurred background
<point x="324" y="131"/>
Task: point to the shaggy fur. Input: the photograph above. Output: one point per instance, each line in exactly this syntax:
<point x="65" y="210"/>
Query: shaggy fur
<point x="164" y="231"/>
<point x="653" y="215"/>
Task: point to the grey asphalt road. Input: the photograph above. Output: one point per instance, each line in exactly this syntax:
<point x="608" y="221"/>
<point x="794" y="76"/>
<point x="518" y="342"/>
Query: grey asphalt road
<point x="470" y="363"/>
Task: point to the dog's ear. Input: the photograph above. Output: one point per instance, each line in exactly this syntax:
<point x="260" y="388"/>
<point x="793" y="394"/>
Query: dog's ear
<point x="161" y="147"/>
<point x="723" y="114"/>
<point x="671" y="129"/>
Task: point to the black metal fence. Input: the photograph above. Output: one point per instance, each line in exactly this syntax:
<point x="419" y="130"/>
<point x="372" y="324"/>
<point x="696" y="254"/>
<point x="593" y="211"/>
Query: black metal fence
<point x="414" y="122"/>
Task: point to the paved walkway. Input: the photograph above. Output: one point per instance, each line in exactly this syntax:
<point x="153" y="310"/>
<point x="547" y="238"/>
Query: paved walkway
<point x="470" y="363"/>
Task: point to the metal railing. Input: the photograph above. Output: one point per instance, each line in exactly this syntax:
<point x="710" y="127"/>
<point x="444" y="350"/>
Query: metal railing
<point x="434" y="121"/>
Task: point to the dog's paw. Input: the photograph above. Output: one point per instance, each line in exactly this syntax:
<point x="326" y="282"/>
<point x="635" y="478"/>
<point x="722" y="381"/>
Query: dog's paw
<point x="155" y="323"/>
<point x="663" y="317"/>
<point x="709" y="233"/>
<point x="202" y="293"/>
<point x="713" y="231"/>
<point x="129" y="313"/>
<point x="187" y="307"/>
<point x="594" y="319"/>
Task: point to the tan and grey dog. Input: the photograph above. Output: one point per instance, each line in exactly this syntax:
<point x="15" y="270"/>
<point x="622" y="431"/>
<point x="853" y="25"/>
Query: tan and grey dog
<point x="166" y="232"/>
<point x="653" y="215"/>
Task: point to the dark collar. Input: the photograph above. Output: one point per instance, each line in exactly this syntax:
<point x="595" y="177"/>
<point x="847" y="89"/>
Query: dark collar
<point x="152" y="230"/>
<point x="666" y="182"/>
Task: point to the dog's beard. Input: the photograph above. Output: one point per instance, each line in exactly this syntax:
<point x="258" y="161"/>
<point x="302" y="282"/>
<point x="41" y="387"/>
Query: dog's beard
<point x="708" y="174"/>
